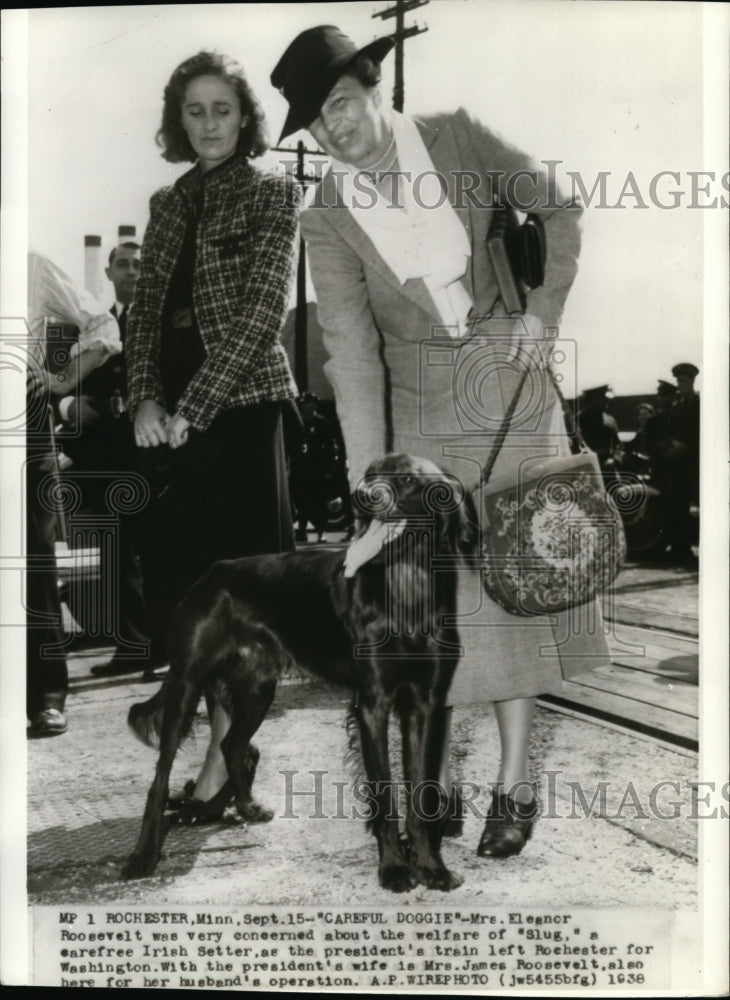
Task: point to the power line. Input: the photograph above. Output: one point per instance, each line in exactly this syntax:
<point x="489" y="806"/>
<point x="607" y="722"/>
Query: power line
<point x="399" y="11"/>
<point x="301" y="367"/>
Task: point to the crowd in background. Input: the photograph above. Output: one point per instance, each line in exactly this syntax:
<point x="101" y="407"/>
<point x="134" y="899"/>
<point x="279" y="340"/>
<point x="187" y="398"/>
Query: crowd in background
<point x="664" y="453"/>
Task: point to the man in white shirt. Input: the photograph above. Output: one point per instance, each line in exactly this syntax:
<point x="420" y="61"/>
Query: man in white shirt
<point x="102" y="393"/>
<point x="52" y="294"/>
<point x="99" y="440"/>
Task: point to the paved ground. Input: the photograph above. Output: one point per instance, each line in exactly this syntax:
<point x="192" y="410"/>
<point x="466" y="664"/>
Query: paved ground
<point x="88" y="788"/>
<point x="87" y="792"/>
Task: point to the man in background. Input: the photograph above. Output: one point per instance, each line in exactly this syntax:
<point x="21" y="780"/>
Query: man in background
<point x="656" y="433"/>
<point x="312" y="468"/>
<point x="46" y="669"/>
<point x="682" y="455"/>
<point x="52" y="294"/>
<point x="98" y="437"/>
<point x="600" y="429"/>
<point x="101" y="394"/>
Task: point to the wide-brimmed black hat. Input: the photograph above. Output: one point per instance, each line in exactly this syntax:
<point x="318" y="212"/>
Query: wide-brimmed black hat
<point x="312" y="65"/>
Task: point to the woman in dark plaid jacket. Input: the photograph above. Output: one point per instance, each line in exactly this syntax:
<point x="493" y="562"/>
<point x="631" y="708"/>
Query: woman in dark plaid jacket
<point x="207" y="373"/>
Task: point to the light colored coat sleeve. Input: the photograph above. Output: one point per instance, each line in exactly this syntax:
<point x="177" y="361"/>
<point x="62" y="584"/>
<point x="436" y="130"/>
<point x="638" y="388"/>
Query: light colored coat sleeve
<point x="527" y="187"/>
<point x="355" y="368"/>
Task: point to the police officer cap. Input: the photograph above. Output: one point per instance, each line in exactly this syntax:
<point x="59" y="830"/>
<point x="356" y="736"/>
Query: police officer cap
<point x="598" y="392"/>
<point x="666" y="387"/>
<point x="685" y="368"/>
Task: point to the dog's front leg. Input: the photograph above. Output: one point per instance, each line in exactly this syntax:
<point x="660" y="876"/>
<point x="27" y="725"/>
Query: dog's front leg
<point x="394" y="872"/>
<point x="427" y="799"/>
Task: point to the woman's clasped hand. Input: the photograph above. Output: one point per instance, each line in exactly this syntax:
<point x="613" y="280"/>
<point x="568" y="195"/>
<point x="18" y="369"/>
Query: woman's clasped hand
<point x="154" y="426"/>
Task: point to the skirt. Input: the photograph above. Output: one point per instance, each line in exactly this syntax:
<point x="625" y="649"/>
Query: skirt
<point x="223" y="495"/>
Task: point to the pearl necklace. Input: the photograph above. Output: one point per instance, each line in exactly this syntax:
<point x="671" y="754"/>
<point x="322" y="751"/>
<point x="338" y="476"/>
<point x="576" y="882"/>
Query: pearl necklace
<point x="373" y="169"/>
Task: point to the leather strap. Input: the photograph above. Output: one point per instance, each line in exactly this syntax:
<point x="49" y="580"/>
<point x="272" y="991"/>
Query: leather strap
<point x="502" y="432"/>
<point x="571" y="425"/>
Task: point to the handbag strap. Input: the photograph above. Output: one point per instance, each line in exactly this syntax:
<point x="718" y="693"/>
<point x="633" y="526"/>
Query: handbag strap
<point x="571" y="424"/>
<point x="502" y="432"/>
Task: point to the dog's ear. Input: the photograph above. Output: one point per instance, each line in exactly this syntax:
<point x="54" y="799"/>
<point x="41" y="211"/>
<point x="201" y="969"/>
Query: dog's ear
<point x="456" y="516"/>
<point x="469" y="536"/>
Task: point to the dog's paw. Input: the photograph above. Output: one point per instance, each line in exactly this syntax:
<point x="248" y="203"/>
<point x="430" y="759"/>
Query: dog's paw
<point x="254" y="812"/>
<point x="439" y="878"/>
<point x="139" y="866"/>
<point x="397" y="877"/>
<point x="453" y="826"/>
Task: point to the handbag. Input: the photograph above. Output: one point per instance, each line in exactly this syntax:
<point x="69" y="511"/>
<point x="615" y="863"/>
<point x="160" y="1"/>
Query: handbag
<point x="518" y="253"/>
<point x="554" y="538"/>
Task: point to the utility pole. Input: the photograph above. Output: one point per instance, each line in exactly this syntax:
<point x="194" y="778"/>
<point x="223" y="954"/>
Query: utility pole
<point x="301" y="369"/>
<point x="399" y="11"/>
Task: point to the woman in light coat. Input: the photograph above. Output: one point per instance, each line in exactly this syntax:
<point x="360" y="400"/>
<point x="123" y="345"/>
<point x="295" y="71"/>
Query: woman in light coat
<point x="422" y="356"/>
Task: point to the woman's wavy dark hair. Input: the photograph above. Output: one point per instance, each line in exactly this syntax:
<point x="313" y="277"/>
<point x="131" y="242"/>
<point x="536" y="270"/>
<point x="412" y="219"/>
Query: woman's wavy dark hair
<point x="172" y="138"/>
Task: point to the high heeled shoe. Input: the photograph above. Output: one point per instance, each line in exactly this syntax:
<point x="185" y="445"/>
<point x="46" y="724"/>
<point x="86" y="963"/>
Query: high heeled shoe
<point x="176" y="802"/>
<point x="189" y="811"/>
<point x="508" y="827"/>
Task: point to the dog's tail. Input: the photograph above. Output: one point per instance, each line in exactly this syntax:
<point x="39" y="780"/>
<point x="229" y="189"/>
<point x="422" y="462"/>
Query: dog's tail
<point x="201" y="639"/>
<point x="145" y="718"/>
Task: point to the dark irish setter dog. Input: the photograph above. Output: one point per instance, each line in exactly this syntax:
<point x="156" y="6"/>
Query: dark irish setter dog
<point x="380" y="624"/>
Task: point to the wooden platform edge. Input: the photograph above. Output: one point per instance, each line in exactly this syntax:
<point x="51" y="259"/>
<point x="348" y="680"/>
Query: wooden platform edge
<point x="675" y="729"/>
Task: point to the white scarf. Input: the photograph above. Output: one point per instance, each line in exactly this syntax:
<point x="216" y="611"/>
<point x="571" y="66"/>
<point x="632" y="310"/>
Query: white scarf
<point x="427" y="239"/>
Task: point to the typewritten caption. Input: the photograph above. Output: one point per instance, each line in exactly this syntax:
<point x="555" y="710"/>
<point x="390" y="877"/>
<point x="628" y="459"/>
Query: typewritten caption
<point x="320" y="949"/>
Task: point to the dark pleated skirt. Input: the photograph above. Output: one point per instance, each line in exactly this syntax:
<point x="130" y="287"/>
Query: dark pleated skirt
<point x="223" y="495"/>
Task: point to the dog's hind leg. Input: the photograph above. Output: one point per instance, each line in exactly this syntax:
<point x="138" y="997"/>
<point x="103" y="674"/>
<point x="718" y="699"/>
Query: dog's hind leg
<point x="193" y="809"/>
<point x="242" y="756"/>
<point x="427" y="800"/>
<point x="181" y="701"/>
<point x="251" y="684"/>
<point x="394" y="872"/>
